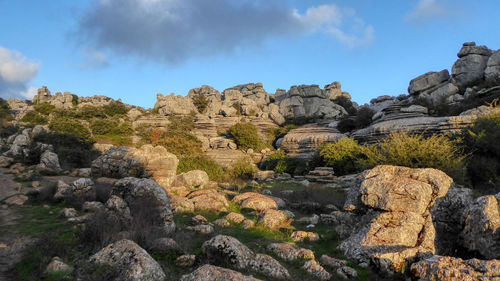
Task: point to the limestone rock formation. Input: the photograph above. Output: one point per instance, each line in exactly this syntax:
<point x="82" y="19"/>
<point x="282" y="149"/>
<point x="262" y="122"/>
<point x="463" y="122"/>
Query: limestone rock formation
<point x="131" y="261"/>
<point x="481" y="227"/>
<point x="255" y="201"/>
<point x="229" y="251"/>
<point x="304" y="141"/>
<point x="134" y="190"/>
<point x="427" y="82"/>
<point x="451" y="269"/>
<point x="396" y="225"/>
<point x="214" y="273"/>
<point x="289" y="252"/>
<point x="174" y="105"/>
<point x="492" y="71"/>
<point x="469" y="68"/>
<point x="194" y="178"/>
<point x="209" y="200"/>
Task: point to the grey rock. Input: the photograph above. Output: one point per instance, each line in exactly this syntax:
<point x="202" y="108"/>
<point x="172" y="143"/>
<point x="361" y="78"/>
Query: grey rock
<point x="213" y="273"/>
<point x="492" y="71"/>
<point x="427" y="81"/>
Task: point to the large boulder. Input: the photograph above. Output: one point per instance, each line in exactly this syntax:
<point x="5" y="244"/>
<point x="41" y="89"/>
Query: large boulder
<point x="481" y="227"/>
<point x="214" y="273"/>
<point x="229" y="251"/>
<point x="427" y="81"/>
<point x="136" y="192"/>
<point x="469" y="68"/>
<point x="451" y="269"/>
<point x="195" y="178"/>
<point x="174" y="105"/>
<point x="209" y="200"/>
<point x="131" y="261"/>
<point x="147" y="161"/>
<point x="492" y="71"/>
<point x="392" y="224"/>
<point x="49" y="163"/>
<point x="255" y="201"/>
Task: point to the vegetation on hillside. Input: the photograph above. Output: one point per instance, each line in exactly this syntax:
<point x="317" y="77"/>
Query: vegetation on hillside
<point x="246" y="136"/>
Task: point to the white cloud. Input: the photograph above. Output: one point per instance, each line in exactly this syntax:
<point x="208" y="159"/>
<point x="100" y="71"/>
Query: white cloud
<point x="15" y="72"/>
<point x="428" y="10"/>
<point x="93" y="59"/>
<point x="177" y="30"/>
<point x="30" y="93"/>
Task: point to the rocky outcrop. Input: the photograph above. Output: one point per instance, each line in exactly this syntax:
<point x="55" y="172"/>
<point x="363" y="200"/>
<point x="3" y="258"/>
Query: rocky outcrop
<point x="303" y="142"/>
<point x="147" y="161"/>
<point x="481" y="227"/>
<point x="451" y="269"/>
<point x="136" y="192"/>
<point x="194" y="178"/>
<point x="131" y="261"/>
<point x="58" y="100"/>
<point x="174" y="105"/>
<point x="214" y="273"/>
<point x="492" y="71"/>
<point x="395" y="225"/>
<point x="229" y="251"/>
<point x="469" y="68"/>
<point x="428" y="82"/>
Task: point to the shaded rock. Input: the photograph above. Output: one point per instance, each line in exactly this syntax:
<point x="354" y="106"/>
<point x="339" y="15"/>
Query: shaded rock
<point x="222" y="223"/>
<point x="229" y="251"/>
<point x="213" y="273"/>
<point x="204" y="229"/>
<point x="84" y="189"/>
<point x="315" y="269"/>
<point x="92" y="206"/>
<point x="134" y="191"/>
<point x="198" y="219"/>
<point x="63" y="191"/>
<point x="185" y="260"/>
<point x="469" y="70"/>
<point x="165" y="245"/>
<point x="49" y="163"/>
<point x="5" y="162"/>
<point x="481" y="224"/>
<point x="492" y="71"/>
<point x="289" y="252"/>
<point x="57" y="265"/>
<point x="248" y="224"/>
<point x="263" y="175"/>
<point x="450" y="268"/>
<point x="131" y="261"/>
<point x="181" y="205"/>
<point x="69" y="213"/>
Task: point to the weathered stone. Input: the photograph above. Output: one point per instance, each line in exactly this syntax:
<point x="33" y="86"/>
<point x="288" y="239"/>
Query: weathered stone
<point x="427" y="81"/>
<point x="185" y="260"/>
<point x="181" y="205"/>
<point x="300" y="236"/>
<point x="203" y="229"/>
<point x="481" y="225"/>
<point x="492" y="71"/>
<point x="209" y="200"/>
<point x="131" y="261"/>
<point x="289" y="252"/>
<point x="195" y="178"/>
<point x="229" y="251"/>
<point x="222" y="223"/>
<point x="165" y="245"/>
<point x="57" y="265"/>
<point x="469" y="70"/>
<point x="255" y="201"/>
<point x="92" y="207"/>
<point x="315" y="269"/>
<point x="274" y="219"/>
<point x="451" y="269"/>
<point x="235" y="217"/>
<point x="213" y="273"/>
<point x="174" y="105"/>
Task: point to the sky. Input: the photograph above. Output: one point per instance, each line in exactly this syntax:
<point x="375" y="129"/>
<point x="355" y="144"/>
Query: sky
<point x="134" y="49"/>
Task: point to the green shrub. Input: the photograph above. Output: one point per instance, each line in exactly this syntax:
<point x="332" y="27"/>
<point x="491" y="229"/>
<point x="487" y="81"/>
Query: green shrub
<point x="243" y="168"/>
<point x="180" y="124"/>
<point x="89" y="112"/>
<point x="344" y="156"/>
<point x="73" y="152"/>
<point x="103" y="126"/>
<point x="364" y="117"/>
<point x="417" y="151"/>
<point x="181" y="145"/>
<point x="71" y="127"/>
<point x="481" y="142"/>
<point x="201" y="162"/>
<point x="346" y="104"/>
<point x="5" y="110"/>
<point x="246" y="136"/>
<point x="276" y="133"/>
<point x="34" y="118"/>
<point x="44" y="108"/>
<point x="280" y="163"/>
<point x="144" y="132"/>
<point x="347" y="124"/>
<point x="201" y="102"/>
<point x="74" y="100"/>
<point x="115" y="108"/>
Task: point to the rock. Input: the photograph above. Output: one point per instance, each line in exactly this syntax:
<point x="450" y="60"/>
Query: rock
<point x="134" y="190"/>
<point x="470" y="48"/>
<point x="195" y="178"/>
<point x="315" y="269"/>
<point x="203" y="229"/>
<point x="481" y="224"/>
<point x="227" y="250"/>
<point x="492" y="71"/>
<point x="63" y="191"/>
<point x="235" y="217"/>
<point x="427" y="81"/>
<point x="450" y="268"/>
<point x="83" y="188"/>
<point x="274" y="219"/>
<point x="248" y="224"/>
<point x="69" y="213"/>
<point x="314" y="219"/>
<point x="300" y="236"/>
<point x="131" y="261"/>
<point x="209" y="200"/>
<point x="222" y="223"/>
<point x="49" y="163"/>
<point x="174" y="105"/>
<point x="148" y="161"/>
<point x="321" y="175"/>
<point x="289" y="252"/>
<point x="185" y="260"/>
<point x="255" y="201"/>
<point x="92" y="207"/>
<point x="181" y="205"/>
<point x="57" y="265"/>
<point x="395" y="225"/>
<point x="198" y="219"/>
<point x="441" y="94"/>
<point x="84" y="172"/>
<point x="213" y="273"/>
<point x="469" y="70"/>
<point x="165" y="245"/>
<point x="415" y="108"/>
<point x="117" y="207"/>
<point x="5" y="162"/>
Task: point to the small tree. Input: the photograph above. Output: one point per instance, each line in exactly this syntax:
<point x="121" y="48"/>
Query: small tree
<point x="246" y="135"/>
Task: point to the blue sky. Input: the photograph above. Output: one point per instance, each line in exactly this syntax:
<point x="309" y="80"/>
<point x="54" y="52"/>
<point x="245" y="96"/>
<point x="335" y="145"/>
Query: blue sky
<point x="134" y="49"/>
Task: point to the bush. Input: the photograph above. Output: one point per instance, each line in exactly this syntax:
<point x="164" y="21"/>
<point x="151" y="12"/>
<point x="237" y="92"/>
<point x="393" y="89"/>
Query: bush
<point x="481" y="142"/>
<point x="88" y="112"/>
<point x="71" y="127"/>
<point x="246" y="136"/>
<point x="276" y="133"/>
<point x="280" y="163"/>
<point x="181" y="146"/>
<point x="44" y="108"/>
<point x="243" y="168"/>
<point x="416" y="151"/>
<point x="5" y="110"/>
<point x="74" y="100"/>
<point x="7" y="130"/>
<point x="344" y="156"/>
<point x="115" y="108"/>
<point x="362" y="119"/>
<point x="73" y="151"/>
<point x="347" y="124"/>
<point x="34" y="118"/>
<point x="144" y="132"/>
<point x="201" y="102"/>
<point x="180" y="124"/>
<point x="346" y="104"/>
<point x="200" y="162"/>
<point x="103" y="126"/>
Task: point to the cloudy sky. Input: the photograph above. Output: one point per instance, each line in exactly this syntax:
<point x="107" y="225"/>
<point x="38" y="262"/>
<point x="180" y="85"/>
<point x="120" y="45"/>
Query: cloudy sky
<point x="133" y="49"/>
